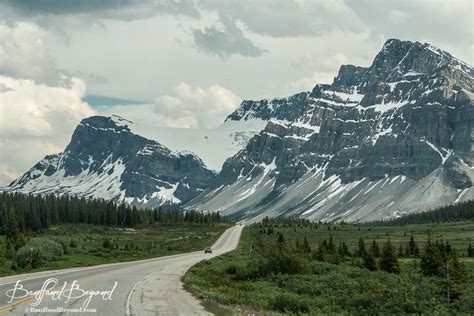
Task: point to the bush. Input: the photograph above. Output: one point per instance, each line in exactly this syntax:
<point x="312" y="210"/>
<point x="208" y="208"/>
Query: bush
<point x="9" y="250"/>
<point x="107" y="243"/>
<point x="37" y="251"/>
<point x="29" y="257"/>
<point x="231" y="269"/>
<point x="65" y="246"/>
<point x="73" y="243"/>
<point x="275" y="261"/>
<point x="292" y="303"/>
<point x="14" y="266"/>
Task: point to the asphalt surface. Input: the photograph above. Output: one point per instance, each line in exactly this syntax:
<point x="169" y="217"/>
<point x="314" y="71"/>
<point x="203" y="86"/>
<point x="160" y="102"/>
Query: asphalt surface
<point x="146" y="287"/>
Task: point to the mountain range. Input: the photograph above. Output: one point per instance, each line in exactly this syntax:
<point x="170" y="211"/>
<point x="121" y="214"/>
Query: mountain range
<point x="380" y="141"/>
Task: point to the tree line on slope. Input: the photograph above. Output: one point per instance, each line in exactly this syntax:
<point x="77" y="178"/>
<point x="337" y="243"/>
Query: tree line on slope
<point x="462" y="211"/>
<point x="31" y="213"/>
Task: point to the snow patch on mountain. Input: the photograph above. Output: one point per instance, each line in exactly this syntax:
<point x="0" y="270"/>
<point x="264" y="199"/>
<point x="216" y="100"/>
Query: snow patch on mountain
<point x="91" y="184"/>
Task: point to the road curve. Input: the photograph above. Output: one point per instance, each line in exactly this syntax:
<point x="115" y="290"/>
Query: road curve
<point x="146" y="287"/>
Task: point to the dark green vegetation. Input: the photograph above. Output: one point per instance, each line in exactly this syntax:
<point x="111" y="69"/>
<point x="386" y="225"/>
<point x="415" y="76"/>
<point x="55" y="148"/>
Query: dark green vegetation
<point x="463" y="211"/>
<point x="299" y="267"/>
<point x="35" y="213"/>
<point x="42" y="233"/>
<point x="75" y="245"/>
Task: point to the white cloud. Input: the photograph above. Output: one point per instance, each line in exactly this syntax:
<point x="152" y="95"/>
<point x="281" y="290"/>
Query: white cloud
<point x="121" y="52"/>
<point x="283" y="18"/>
<point x="397" y="16"/>
<point x="36" y="120"/>
<point x="445" y="24"/>
<point x="308" y="83"/>
<point x="196" y="107"/>
<point x="187" y="107"/>
<point x="23" y="53"/>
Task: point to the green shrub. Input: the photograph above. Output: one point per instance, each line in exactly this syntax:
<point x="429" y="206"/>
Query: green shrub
<point x="275" y="261"/>
<point x="231" y="269"/>
<point x="288" y="302"/>
<point x="65" y="246"/>
<point x="14" y="266"/>
<point x="37" y="251"/>
<point x="9" y="250"/>
<point x="29" y="257"/>
<point x="73" y="243"/>
<point x="107" y="243"/>
<point x="50" y="249"/>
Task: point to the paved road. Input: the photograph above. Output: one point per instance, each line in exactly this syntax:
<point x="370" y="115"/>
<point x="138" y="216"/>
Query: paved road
<point x="146" y="287"/>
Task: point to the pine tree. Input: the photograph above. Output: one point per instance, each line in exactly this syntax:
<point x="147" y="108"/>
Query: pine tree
<point x="13" y="233"/>
<point x="344" y="250"/>
<point x="369" y="262"/>
<point x="12" y="228"/>
<point x="9" y="251"/>
<point x="374" y="249"/>
<point x="431" y="261"/>
<point x="361" y="249"/>
<point x="280" y="241"/>
<point x="454" y="273"/>
<point x="306" y="247"/>
<point x="413" y="250"/>
<point x="388" y="260"/>
<point x="321" y="253"/>
<point x="331" y="245"/>
<point x="298" y="245"/>
<point x="401" y="251"/>
<point x="470" y="251"/>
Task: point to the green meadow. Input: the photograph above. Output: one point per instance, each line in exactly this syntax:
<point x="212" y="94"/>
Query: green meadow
<point x="270" y="274"/>
<point x="76" y="245"/>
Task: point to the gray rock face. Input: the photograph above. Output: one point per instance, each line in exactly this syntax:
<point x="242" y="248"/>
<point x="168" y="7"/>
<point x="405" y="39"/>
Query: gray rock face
<point x="379" y="141"/>
<point x="409" y="116"/>
<point x="282" y="109"/>
<point x="105" y="160"/>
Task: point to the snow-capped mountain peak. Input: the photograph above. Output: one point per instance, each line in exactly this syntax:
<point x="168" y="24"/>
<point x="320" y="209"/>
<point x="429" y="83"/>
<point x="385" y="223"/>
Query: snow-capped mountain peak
<point x="104" y="159"/>
<point x="393" y="137"/>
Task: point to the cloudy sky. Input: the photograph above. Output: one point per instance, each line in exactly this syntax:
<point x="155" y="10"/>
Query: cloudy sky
<point x="186" y="63"/>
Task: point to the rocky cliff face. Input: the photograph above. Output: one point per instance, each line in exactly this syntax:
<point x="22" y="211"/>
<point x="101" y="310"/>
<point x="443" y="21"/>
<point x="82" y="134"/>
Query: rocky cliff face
<point x="379" y="141"/>
<point x="105" y="160"/>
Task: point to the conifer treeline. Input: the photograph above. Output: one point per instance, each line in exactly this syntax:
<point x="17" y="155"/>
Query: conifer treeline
<point x="463" y="211"/>
<point x="34" y="213"/>
<point x="289" y="220"/>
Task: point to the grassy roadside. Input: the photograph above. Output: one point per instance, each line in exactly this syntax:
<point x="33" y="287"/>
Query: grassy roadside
<point x="230" y="284"/>
<point x="87" y="245"/>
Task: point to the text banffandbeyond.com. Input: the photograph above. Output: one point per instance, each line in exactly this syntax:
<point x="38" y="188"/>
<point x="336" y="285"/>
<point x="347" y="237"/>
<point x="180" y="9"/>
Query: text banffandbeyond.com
<point x="59" y="310"/>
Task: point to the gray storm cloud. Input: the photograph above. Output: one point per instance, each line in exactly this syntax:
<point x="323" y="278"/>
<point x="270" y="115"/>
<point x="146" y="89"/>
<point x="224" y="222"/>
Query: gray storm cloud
<point x="230" y="41"/>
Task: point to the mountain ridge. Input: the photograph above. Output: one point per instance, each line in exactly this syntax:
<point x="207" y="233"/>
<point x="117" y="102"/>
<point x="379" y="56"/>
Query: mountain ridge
<point x="399" y="120"/>
<point x="380" y="141"/>
<point x="106" y="160"/>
